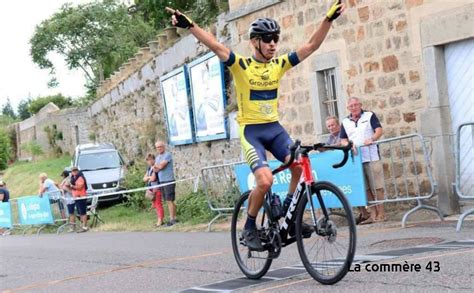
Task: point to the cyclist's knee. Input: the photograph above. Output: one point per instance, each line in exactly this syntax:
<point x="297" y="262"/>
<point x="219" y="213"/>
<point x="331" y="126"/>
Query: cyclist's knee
<point x="264" y="184"/>
<point x="264" y="179"/>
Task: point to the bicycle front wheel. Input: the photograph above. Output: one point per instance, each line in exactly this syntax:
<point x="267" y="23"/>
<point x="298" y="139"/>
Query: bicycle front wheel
<point x="328" y="252"/>
<point x="253" y="264"/>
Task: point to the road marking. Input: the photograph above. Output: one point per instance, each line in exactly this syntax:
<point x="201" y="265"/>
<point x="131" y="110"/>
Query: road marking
<point x="410" y="259"/>
<point x="117" y="269"/>
<point x="283" y="273"/>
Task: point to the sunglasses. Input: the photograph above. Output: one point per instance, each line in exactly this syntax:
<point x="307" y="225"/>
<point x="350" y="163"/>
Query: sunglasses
<point x="269" y="38"/>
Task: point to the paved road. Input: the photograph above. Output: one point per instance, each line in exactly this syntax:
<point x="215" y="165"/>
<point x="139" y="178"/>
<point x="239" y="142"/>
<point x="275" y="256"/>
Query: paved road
<point x="171" y="261"/>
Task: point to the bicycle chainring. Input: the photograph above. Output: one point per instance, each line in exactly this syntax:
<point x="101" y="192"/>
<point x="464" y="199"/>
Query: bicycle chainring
<point x="275" y="243"/>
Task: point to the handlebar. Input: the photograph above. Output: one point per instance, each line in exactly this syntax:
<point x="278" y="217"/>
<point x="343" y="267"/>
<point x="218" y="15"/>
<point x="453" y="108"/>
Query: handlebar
<point x="296" y="148"/>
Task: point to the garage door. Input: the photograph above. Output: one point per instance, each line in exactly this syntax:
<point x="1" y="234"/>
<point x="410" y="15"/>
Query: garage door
<point x="459" y="60"/>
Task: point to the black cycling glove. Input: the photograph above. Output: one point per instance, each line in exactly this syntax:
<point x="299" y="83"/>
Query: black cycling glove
<point x="334" y="11"/>
<point x="183" y="21"/>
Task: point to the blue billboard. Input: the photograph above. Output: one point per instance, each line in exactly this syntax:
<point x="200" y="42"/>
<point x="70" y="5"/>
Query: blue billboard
<point x="5" y="215"/>
<point x="174" y="90"/>
<point x="206" y="79"/>
<point x="349" y="178"/>
<point x="34" y="210"/>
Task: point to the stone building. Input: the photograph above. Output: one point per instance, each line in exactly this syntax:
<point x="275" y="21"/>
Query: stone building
<point x="401" y="57"/>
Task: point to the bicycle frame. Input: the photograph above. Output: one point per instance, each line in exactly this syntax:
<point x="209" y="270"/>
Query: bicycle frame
<point x="301" y="158"/>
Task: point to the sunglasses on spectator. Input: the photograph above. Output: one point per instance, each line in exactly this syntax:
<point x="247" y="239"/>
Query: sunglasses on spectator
<point x="269" y="38"/>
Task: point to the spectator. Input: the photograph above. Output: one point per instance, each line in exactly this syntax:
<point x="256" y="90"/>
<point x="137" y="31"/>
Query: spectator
<point x="364" y="129"/>
<point x="164" y="168"/>
<point x="79" y="192"/>
<point x="69" y="200"/>
<point x="4" y="197"/>
<point x="151" y="178"/>
<point x="50" y="188"/>
<point x="332" y="124"/>
<point x="4" y="193"/>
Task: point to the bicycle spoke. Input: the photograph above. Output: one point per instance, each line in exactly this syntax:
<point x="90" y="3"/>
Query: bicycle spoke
<point x="327" y="253"/>
<point x="253" y="264"/>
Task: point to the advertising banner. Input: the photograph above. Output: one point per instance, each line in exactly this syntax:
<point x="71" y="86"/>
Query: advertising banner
<point x="174" y="89"/>
<point x="349" y="178"/>
<point x="5" y="215"/>
<point x="206" y="77"/>
<point x="34" y="210"/>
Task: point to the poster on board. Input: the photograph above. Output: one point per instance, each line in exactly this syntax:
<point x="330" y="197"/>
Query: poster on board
<point x="174" y="88"/>
<point x="206" y="78"/>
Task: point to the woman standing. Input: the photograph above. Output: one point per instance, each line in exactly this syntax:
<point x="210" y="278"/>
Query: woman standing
<point x="151" y="179"/>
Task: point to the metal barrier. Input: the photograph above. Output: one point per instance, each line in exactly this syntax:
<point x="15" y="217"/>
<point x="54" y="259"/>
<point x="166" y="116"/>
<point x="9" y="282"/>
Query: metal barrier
<point x="58" y="210"/>
<point x="406" y="170"/>
<point x="464" y="184"/>
<point x="58" y="204"/>
<point x="221" y="188"/>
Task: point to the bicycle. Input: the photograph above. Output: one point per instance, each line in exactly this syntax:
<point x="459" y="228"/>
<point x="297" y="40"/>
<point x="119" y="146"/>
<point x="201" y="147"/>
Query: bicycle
<point x="320" y="205"/>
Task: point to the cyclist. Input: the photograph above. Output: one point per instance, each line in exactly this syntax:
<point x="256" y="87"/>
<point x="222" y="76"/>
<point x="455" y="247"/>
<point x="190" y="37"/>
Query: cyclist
<point x="257" y="79"/>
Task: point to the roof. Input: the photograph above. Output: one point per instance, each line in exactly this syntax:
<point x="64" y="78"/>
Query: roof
<point x="95" y="147"/>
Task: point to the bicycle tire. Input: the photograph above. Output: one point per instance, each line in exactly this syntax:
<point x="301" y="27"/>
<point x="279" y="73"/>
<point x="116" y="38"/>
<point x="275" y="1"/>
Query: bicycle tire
<point x="346" y="231"/>
<point x="240" y="213"/>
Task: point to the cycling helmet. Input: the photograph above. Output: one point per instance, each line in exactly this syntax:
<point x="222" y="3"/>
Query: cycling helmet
<point x="263" y="26"/>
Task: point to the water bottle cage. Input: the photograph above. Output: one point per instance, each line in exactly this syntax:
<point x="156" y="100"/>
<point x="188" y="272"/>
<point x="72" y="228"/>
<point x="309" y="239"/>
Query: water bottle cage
<point x="276" y="206"/>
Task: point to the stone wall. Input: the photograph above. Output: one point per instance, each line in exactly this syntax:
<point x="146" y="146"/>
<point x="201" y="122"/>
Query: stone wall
<point x="63" y="122"/>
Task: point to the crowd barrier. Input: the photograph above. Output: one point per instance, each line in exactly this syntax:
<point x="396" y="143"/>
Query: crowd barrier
<point x="221" y="188"/>
<point x="464" y="151"/>
<point x="33" y="212"/>
<point x="406" y="171"/>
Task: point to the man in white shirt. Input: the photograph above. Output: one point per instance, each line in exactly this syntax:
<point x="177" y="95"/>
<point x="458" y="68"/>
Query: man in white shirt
<point x="364" y="128"/>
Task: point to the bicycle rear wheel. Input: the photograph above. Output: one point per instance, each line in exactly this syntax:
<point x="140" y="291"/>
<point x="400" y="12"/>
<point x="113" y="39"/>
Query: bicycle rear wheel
<point x="253" y="264"/>
<point x="328" y="254"/>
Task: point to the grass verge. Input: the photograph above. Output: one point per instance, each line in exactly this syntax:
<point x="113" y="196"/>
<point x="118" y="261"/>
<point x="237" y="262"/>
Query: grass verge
<point x="22" y="177"/>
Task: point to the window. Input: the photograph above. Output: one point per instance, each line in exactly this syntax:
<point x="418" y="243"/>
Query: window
<point x="326" y="91"/>
<point x="331" y="95"/>
<point x="76" y="130"/>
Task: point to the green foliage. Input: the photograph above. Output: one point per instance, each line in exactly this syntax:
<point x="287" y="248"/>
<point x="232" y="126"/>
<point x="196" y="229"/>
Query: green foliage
<point x="33" y="148"/>
<point x="59" y="100"/>
<point x="23" y="109"/>
<point x="53" y="136"/>
<point x="7" y="109"/>
<point x="4" y="149"/>
<point x="6" y="120"/>
<point x="134" y="179"/>
<point x="92" y="136"/>
<point x="193" y="208"/>
<point x="96" y="38"/>
<point x="13" y="143"/>
<point x="202" y="12"/>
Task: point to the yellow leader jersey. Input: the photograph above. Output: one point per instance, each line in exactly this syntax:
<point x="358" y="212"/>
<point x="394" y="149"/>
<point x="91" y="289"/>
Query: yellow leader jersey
<point x="257" y="84"/>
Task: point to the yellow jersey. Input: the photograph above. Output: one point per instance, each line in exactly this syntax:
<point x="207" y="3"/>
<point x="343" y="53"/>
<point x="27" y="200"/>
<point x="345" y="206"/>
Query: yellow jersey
<point x="257" y="84"/>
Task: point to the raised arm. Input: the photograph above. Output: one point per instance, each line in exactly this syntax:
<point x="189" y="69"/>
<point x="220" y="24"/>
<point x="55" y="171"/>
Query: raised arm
<point x="180" y="20"/>
<point x="319" y="35"/>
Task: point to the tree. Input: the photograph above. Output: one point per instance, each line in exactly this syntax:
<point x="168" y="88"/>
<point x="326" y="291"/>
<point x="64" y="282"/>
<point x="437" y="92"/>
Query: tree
<point x="23" y="106"/>
<point x="59" y="100"/>
<point x="4" y="149"/>
<point x="202" y="11"/>
<point x="96" y="38"/>
<point x="7" y="109"/>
